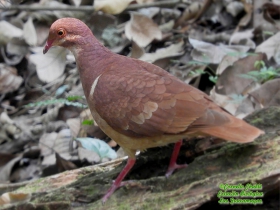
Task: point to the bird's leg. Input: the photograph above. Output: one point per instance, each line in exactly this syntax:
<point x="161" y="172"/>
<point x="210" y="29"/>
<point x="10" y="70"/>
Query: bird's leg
<point x="117" y="183"/>
<point x="173" y="165"/>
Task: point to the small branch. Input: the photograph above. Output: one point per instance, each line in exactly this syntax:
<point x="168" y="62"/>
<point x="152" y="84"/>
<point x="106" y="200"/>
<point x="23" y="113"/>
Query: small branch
<point x="37" y="8"/>
<point x="154" y="4"/>
<point x="89" y="8"/>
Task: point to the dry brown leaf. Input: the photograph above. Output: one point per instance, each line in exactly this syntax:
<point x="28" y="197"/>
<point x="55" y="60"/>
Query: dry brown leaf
<point x="271" y="13"/>
<point x="12" y="197"/>
<point x="62" y="141"/>
<point x="248" y="7"/>
<point x="230" y="82"/>
<point x="17" y="47"/>
<point x="190" y="12"/>
<point x="56" y="142"/>
<point x="6" y="170"/>
<point x="29" y="32"/>
<point x="51" y="66"/>
<point x="234" y="8"/>
<point x="90" y="156"/>
<point x="227" y="61"/>
<point x="136" y="51"/>
<point x="243" y="38"/>
<point x="9" y="80"/>
<point x="170" y="51"/>
<point x="183" y="73"/>
<point x="46" y="143"/>
<point x="224" y="101"/>
<point x="74" y="125"/>
<point x="144" y="1"/>
<point x="8" y="31"/>
<point x="113" y="7"/>
<point x="62" y="164"/>
<point x="210" y="53"/>
<point x="142" y="30"/>
<point x="268" y="94"/>
<point x="150" y="11"/>
<point x="271" y="47"/>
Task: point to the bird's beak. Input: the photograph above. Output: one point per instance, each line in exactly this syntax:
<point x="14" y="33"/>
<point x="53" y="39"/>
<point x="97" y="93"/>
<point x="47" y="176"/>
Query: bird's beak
<point x="47" y="46"/>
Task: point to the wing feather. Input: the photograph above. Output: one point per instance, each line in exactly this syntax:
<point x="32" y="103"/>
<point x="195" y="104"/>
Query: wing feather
<point x="141" y="99"/>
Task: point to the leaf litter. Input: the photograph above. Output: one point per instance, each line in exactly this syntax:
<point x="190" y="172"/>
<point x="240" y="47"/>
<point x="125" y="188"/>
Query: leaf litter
<point x="208" y="44"/>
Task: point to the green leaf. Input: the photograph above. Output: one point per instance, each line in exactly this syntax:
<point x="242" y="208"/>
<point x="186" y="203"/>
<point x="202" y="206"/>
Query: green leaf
<point x="87" y="122"/>
<point x="268" y="33"/>
<point x="213" y="79"/>
<point x="197" y="72"/>
<point x="74" y="98"/>
<point x="98" y="146"/>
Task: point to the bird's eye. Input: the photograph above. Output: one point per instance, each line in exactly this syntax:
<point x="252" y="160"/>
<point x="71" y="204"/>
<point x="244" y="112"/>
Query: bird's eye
<point x="60" y="32"/>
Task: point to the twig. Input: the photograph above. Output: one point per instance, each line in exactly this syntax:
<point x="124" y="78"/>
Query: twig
<point x="89" y="8"/>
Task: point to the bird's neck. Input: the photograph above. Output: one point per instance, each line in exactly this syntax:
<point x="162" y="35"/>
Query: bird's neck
<point x="91" y="62"/>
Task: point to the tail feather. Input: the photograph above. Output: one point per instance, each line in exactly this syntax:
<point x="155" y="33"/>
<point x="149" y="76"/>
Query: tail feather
<point x="236" y="131"/>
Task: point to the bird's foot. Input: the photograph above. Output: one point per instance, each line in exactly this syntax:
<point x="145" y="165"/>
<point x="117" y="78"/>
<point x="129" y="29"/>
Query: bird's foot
<point x="110" y="192"/>
<point x="118" y="182"/>
<point x="173" y="167"/>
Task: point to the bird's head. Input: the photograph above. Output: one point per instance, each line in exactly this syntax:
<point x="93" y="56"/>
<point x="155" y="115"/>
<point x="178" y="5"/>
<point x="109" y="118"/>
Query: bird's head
<point x="67" y="32"/>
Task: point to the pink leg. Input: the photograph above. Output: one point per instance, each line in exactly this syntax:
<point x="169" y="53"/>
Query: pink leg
<point x="173" y="165"/>
<point x="130" y="163"/>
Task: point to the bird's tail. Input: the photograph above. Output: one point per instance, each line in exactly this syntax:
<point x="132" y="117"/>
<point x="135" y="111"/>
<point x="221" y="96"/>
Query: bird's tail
<point x="236" y="131"/>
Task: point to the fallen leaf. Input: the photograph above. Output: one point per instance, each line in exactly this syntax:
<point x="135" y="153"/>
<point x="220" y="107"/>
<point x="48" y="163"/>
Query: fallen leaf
<point x="210" y="53"/>
<point x="55" y="142"/>
<point x="234" y="8"/>
<point x="142" y="30"/>
<point x="9" y="80"/>
<point x="6" y="170"/>
<point x="144" y="1"/>
<point x="113" y="7"/>
<point x="62" y="164"/>
<point x="90" y="156"/>
<point x="170" y="51"/>
<point x="46" y="143"/>
<point x="230" y="82"/>
<point x="243" y="38"/>
<point x="149" y="12"/>
<point x="136" y="51"/>
<point x="5" y="158"/>
<point x="267" y="95"/>
<point x="248" y="7"/>
<point x="271" y="13"/>
<point x="8" y="31"/>
<point x="13" y="197"/>
<point x="29" y="32"/>
<point x="270" y="47"/>
<point x="17" y="46"/>
<point x="189" y="13"/>
<point x="74" y="125"/>
<point x="98" y="146"/>
<point x="51" y="66"/>
<point x="224" y="101"/>
<point x="227" y="61"/>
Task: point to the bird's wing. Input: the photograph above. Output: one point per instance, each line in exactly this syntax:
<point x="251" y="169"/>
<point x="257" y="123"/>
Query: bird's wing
<point x="141" y="99"/>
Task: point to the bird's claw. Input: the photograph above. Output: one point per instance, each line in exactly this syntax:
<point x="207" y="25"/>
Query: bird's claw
<point x="173" y="167"/>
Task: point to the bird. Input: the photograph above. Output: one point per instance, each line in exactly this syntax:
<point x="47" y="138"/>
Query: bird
<point x="139" y="104"/>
